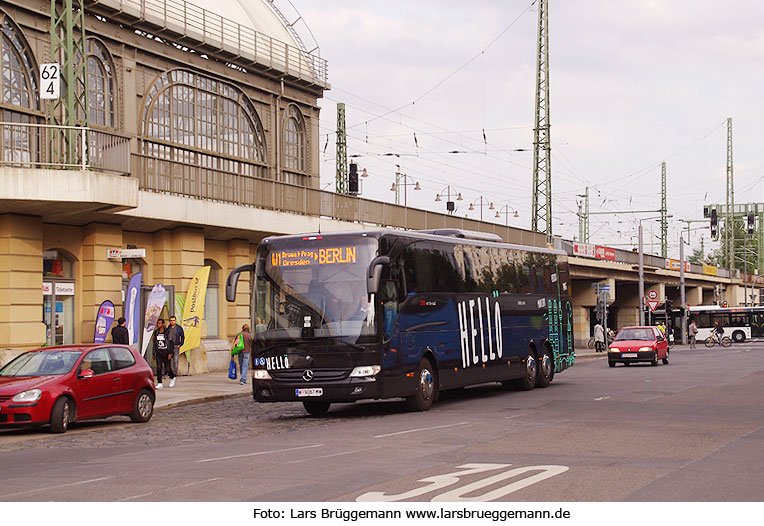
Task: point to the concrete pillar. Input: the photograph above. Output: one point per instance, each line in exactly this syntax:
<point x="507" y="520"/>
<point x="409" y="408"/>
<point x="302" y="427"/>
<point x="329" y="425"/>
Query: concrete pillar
<point x="101" y="277"/>
<point x="694" y="296"/>
<point x="178" y="254"/>
<point x="581" y="323"/>
<point x="21" y="325"/>
<point x="238" y="312"/>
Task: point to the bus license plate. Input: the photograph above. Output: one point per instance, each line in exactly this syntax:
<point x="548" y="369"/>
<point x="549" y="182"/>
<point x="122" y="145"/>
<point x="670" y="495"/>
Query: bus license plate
<point x="316" y="391"/>
<point x="629" y="355"/>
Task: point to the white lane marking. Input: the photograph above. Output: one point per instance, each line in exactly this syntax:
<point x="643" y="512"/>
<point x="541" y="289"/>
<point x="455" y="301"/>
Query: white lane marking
<point x="333" y="455"/>
<point x="55" y="487"/>
<point x="420" y="429"/>
<point x="601" y="398"/>
<point x="516" y="416"/>
<point x="258" y="453"/>
<point x="170" y="488"/>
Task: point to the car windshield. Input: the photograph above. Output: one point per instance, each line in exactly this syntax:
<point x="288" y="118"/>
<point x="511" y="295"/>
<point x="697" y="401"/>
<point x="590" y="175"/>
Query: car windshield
<point x="313" y="288"/>
<point x="41" y="363"/>
<point x="635" y="334"/>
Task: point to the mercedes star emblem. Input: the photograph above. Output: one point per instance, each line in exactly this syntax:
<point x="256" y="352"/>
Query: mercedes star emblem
<point x="307" y="375"/>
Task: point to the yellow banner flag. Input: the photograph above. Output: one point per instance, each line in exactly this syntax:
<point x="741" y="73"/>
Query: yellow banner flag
<point x="193" y="310"/>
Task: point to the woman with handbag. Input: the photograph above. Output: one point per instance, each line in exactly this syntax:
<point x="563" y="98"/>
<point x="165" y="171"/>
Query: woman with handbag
<point x="242" y="345"/>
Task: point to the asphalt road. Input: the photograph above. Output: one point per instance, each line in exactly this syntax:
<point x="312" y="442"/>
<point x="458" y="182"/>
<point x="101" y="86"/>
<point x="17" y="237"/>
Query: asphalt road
<point x="688" y="431"/>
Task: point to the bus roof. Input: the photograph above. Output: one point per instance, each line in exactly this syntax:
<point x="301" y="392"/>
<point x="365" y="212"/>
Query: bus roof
<point x="416" y="234"/>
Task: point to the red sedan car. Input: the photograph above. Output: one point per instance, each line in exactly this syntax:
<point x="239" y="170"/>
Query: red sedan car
<point x="638" y="344"/>
<point x="60" y="385"/>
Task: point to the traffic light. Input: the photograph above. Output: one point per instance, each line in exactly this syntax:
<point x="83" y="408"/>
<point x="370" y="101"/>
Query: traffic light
<point x="599" y="310"/>
<point x="751" y="223"/>
<point x="353" y="179"/>
<point x="714" y="224"/>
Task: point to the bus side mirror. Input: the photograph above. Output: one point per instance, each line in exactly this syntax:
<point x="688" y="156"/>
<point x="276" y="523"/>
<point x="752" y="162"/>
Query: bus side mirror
<point x="233" y="280"/>
<point x="375" y="273"/>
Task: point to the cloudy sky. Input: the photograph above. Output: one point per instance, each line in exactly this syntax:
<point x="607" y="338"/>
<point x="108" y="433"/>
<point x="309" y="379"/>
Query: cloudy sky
<point x="633" y="83"/>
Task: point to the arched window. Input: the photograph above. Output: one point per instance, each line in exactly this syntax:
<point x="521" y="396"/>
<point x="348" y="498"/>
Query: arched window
<point x="212" y="300"/>
<point x="58" y="296"/>
<point x="198" y="121"/>
<point x="101" y="88"/>
<point x="18" y="94"/>
<point x="294" y="139"/>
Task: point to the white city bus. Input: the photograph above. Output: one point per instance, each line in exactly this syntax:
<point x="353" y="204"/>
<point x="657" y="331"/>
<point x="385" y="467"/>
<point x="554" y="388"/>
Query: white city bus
<point x="739" y="323"/>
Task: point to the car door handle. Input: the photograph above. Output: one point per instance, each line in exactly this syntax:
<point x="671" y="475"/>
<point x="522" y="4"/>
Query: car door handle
<point x="116" y="379"/>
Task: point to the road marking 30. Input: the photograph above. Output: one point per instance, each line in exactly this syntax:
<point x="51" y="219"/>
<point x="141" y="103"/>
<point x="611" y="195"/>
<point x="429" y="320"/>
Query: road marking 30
<point x="439" y="482"/>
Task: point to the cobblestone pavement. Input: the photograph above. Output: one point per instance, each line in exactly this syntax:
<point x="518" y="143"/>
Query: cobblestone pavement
<point x="209" y="422"/>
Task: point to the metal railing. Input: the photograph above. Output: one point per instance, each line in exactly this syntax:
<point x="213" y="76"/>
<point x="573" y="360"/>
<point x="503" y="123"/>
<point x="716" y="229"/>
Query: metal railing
<point x="632" y="258"/>
<point x="172" y="177"/>
<point x="186" y="23"/>
<point x="29" y="145"/>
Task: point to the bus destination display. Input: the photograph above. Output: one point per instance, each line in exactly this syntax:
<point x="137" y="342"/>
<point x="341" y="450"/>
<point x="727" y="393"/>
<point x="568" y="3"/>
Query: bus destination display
<point x="314" y="256"/>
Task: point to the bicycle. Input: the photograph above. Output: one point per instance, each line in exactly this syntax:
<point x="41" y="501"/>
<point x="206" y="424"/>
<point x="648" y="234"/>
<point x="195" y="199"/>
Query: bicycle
<point x="724" y="341"/>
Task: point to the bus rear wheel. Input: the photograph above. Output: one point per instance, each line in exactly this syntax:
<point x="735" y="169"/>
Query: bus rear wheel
<point x="317" y="408"/>
<point x="426" y="387"/>
<point x="545" y="369"/>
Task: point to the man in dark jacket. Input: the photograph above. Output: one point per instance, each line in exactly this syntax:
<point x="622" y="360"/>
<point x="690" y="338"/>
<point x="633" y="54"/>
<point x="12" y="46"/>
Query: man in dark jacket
<point x="119" y="333"/>
<point x="163" y="346"/>
<point x="176" y="335"/>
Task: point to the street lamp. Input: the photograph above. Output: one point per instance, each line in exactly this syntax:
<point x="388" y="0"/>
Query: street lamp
<point x="450" y="207"/>
<point x="506" y="211"/>
<point x="396" y="186"/>
<point x="481" y="205"/>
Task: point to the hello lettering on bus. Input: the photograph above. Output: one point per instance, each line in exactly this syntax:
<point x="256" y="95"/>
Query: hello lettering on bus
<point x="490" y="342"/>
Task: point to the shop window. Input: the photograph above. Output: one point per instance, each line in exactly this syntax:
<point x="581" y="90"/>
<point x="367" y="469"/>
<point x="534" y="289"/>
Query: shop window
<point x="58" y="297"/>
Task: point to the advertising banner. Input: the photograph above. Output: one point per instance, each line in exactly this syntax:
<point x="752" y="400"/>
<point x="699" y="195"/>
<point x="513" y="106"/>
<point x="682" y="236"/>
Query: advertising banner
<point x="104" y="319"/>
<point x="675" y="264"/>
<point x="157" y="299"/>
<point x="710" y="270"/>
<point x="584" y="250"/>
<point x="133" y="307"/>
<point x="193" y="310"/>
<point x="605" y="253"/>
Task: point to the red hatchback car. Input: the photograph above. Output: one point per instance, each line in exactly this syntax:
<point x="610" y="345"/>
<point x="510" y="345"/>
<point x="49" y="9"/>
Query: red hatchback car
<point x="60" y="385"/>
<point x="638" y="344"/>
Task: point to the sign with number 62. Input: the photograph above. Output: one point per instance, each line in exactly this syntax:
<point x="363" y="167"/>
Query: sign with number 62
<point x="50" y="81"/>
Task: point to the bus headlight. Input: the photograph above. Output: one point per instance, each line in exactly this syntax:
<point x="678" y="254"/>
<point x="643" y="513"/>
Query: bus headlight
<point x="260" y="374"/>
<point x="365" y="371"/>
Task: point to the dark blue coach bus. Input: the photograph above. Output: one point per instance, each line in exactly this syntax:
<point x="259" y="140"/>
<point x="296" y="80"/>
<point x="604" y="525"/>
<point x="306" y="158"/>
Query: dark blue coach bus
<point x="378" y="314"/>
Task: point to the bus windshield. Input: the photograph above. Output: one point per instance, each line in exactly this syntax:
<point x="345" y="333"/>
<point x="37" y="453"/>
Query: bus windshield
<point x="315" y="288"/>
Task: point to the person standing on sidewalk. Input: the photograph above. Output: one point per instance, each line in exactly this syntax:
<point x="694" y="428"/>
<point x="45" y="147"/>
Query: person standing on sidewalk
<point x="176" y="335"/>
<point x="599" y="337"/>
<point x="692" y="332"/>
<point x="245" y="353"/>
<point x="119" y="333"/>
<point x="163" y="346"/>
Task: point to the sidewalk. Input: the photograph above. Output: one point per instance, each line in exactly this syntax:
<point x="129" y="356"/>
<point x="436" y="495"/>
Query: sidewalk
<point x="201" y="388"/>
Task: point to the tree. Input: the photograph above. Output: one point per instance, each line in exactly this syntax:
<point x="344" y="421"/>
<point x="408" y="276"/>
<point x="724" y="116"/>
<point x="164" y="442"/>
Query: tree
<point x="697" y="257"/>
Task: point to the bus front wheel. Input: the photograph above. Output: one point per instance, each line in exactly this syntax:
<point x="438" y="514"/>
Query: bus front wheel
<point x="426" y="387"/>
<point x="528" y="380"/>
